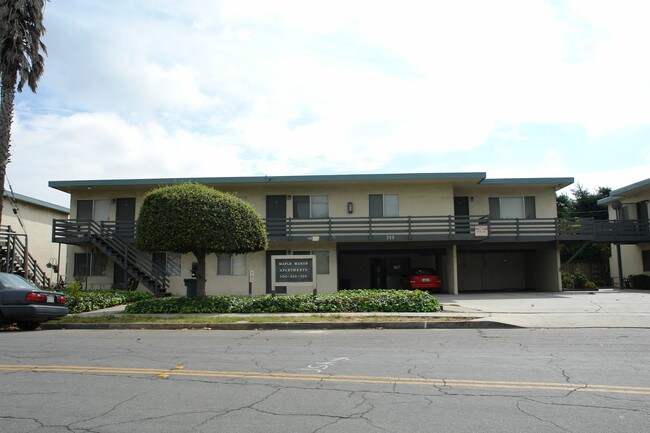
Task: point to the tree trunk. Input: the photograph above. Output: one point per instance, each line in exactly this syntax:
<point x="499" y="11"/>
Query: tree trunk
<point x="8" y="93"/>
<point x="200" y="274"/>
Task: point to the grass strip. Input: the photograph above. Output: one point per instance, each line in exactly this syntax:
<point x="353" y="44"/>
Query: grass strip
<point x="140" y="318"/>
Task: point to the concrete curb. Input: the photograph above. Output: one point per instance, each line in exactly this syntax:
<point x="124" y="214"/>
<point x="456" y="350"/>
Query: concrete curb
<point x="285" y="325"/>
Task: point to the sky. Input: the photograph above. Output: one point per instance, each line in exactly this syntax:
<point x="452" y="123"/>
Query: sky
<point x="195" y="88"/>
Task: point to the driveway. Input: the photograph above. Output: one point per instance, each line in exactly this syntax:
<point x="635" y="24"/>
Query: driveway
<point x="584" y="309"/>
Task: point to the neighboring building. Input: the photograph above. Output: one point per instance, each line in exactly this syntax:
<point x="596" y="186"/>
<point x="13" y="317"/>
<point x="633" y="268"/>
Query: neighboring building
<point x="35" y="231"/>
<point x="630" y="204"/>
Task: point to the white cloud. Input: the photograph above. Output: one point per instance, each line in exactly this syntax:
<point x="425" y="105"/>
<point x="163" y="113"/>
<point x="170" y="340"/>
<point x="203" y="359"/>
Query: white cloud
<point x="156" y="89"/>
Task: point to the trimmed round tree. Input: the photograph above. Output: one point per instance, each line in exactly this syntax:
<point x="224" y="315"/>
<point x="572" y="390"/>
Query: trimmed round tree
<point x="193" y="218"/>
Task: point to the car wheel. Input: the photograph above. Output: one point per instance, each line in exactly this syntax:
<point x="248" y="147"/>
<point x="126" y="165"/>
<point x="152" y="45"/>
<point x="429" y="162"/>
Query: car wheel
<point x="27" y="326"/>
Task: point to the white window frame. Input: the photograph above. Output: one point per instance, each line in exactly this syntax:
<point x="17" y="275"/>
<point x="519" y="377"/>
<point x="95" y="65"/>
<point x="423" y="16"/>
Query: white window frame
<point x="311" y="205"/>
<point x="384" y="205"/>
<point x="525" y="210"/>
<point x="318" y="253"/>
<point x="236" y="267"/>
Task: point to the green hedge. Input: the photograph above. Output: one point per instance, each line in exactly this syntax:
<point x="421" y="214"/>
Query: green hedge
<point x="343" y="301"/>
<point x="90" y="300"/>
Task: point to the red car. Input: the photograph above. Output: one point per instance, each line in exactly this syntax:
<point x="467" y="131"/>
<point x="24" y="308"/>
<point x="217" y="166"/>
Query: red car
<point x="424" y="279"/>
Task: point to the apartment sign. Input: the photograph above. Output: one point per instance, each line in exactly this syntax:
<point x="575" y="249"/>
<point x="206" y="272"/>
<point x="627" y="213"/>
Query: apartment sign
<point x="294" y="270"/>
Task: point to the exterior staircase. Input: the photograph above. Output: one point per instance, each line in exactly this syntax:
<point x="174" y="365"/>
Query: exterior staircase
<point x="109" y="240"/>
<point x="14" y="256"/>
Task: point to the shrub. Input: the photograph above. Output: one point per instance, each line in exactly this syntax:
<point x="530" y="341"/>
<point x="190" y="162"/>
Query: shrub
<point x="640" y="281"/>
<point x="344" y="301"/>
<point x="577" y="280"/>
<point x="80" y="301"/>
<point x="568" y="281"/>
<point x="580" y="280"/>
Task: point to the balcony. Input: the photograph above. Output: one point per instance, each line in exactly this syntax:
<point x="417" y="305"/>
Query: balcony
<point x="411" y="228"/>
<point x="458" y="228"/>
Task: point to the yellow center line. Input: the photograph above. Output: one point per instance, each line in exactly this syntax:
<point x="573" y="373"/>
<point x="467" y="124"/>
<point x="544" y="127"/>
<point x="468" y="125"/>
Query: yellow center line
<point x="382" y="380"/>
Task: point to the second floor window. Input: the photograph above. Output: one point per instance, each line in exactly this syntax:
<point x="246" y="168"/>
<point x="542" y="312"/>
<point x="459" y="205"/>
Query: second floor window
<point x="512" y="207"/>
<point x="310" y="206"/>
<point x="98" y="210"/>
<point x="384" y="205"/>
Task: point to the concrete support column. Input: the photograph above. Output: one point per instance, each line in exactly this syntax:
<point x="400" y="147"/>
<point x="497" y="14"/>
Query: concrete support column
<point x="558" y="266"/>
<point x="452" y="270"/>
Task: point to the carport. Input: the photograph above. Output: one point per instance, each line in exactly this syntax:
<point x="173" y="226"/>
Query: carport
<point x="386" y="265"/>
<point x="469" y="267"/>
<point x="511" y="266"/>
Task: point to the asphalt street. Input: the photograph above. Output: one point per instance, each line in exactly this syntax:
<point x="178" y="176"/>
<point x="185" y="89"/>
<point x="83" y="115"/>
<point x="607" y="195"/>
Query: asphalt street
<point x="481" y="380"/>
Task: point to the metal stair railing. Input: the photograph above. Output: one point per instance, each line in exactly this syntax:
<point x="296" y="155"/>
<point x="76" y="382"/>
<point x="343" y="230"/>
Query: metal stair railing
<point x="130" y="258"/>
<point x="15" y="258"/>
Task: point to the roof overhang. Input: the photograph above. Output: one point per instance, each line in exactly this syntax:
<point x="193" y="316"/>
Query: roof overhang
<point x="37" y="202"/>
<point x="476" y="178"/>
<point x="619" y="194"/>
<point x="557" y="182"/>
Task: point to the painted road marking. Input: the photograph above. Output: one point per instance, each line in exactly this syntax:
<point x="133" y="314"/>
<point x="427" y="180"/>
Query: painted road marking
<point x="382" y="380"/>
<point x="318" y="367"/>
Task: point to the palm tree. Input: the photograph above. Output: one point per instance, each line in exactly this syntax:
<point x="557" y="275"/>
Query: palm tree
<point x="21" y="29"/>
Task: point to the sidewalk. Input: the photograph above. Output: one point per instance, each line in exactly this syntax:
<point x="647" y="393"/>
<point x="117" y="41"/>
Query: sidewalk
<point x="607" y="308"/>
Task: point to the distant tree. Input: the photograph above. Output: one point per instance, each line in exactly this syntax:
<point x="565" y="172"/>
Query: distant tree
<point x="584" y="204"/>
<point x="21" y="29"/>
<point x="564" y="205"/>
<point x="192" y="218"/>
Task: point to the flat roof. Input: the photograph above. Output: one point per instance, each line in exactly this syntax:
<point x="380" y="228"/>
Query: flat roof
<point x="619" y="193"/>
<point x="37" y="202"/>
<point x="478" y="177"/>
<point x="559" y="182"/>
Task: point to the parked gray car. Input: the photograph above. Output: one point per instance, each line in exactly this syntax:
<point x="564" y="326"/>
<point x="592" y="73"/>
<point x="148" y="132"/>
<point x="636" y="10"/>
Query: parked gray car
<point x="24" y="304"/>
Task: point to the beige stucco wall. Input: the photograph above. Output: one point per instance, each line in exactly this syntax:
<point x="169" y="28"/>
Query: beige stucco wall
<point x="426" y="198"/>
<point x="631" y="258"/>
<point x="415" y="199"/>
<point x="545" y="198"/>
<point x="38" y="227"/>
<point x="631" y="255"/>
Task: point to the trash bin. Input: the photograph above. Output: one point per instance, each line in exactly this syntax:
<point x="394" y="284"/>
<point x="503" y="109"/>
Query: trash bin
<point x="190" y="285"/>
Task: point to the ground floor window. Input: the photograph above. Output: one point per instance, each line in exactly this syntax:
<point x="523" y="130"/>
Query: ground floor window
<point x="646" y="260"/>
<point x="231" y="265"/>
<point x="322" y="260"/>
<point x="169" y="261"/>
<point x="90" y="264"/>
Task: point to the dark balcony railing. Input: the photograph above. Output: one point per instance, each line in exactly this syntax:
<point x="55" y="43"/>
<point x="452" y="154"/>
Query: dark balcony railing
<point x="432" y="228"/>
<point x="479" y="228"/>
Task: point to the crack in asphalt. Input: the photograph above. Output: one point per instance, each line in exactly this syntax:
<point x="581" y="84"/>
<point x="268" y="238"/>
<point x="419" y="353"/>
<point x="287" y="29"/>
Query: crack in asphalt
<point x="108" y="411"/>
<point x="600" y="308"/>
<point x="586" y="406"/>
<point x="539" y="418"/>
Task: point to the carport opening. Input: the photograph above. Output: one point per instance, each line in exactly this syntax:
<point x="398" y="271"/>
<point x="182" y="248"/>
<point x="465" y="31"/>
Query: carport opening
<point x="385" y="268"/>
